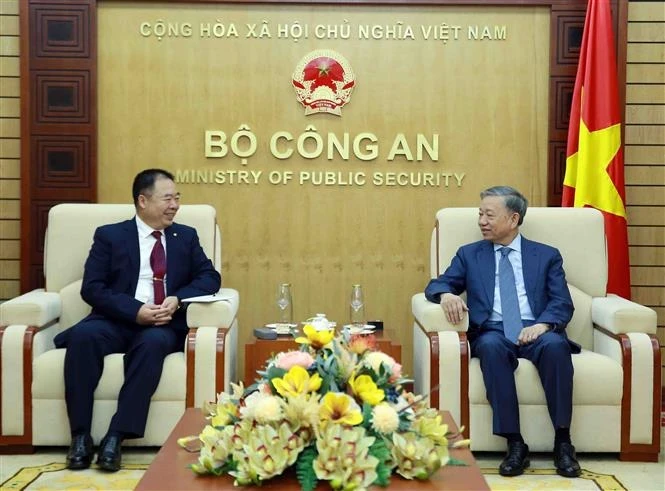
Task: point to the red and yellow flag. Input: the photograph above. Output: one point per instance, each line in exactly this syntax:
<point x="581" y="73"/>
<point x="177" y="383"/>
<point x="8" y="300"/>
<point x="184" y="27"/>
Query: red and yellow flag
<point x="594" y="163"/>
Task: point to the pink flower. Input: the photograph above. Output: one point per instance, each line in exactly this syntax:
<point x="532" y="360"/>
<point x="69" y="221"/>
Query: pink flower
<point x="375" y="359"/>
<point x="396" y="372"/>
<point x="289" y="359"/>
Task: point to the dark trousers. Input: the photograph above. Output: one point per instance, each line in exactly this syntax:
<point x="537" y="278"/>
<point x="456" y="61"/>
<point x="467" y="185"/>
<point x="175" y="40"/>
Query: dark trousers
<point x="145" y="348"/>
<point x="550" y="353"/>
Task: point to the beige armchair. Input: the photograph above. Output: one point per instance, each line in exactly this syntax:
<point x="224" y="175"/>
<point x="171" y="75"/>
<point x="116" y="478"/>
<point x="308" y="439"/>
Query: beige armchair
<point x="32" y="390"/>
<point x="616" y="386"/>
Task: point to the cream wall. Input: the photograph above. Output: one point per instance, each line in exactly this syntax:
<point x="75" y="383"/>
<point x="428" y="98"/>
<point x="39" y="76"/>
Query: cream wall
<point x="644" y="156"/>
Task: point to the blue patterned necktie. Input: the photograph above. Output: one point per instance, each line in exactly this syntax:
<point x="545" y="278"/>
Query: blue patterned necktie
<point x="510" y="306"/>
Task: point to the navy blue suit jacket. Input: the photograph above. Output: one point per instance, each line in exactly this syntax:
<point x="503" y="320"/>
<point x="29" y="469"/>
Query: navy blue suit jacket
<point x="473" y="270"/>
<point x="112" y="270"/>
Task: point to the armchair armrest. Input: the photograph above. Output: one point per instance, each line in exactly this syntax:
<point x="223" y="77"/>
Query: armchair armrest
<point x="215" y="314"/>
<point x="621" y="316"/>
<point x="431" y="317"/>
<point x="35" y="308"/>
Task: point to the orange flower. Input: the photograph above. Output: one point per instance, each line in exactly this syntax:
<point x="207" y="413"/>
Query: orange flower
<point x="359" y="343"/>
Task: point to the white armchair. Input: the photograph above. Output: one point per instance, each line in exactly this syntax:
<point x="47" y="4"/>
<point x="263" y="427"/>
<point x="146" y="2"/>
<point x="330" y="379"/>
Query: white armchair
<point x="32" y="389"/>
<point x="616" y="386"/>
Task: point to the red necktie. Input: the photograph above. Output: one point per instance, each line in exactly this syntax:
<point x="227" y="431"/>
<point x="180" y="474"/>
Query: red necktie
<point x="158" y="265"/>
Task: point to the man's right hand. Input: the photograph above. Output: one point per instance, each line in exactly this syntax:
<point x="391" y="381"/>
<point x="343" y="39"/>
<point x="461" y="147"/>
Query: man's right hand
<point x="150" y="314"/>
<point x="454" y="307"/>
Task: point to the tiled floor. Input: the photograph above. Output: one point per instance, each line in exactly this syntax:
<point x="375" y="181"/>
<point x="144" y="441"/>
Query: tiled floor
<point x="636" y="476"/>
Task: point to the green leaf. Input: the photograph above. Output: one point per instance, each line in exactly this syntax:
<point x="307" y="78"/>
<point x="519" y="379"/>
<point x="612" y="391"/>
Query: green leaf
<point x="379" y="450"/>
<point x="457" y="462"/>
<point x="305" y="468"/>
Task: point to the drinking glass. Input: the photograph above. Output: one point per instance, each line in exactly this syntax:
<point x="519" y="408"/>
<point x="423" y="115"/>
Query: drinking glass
<point x="285" y="303"/>
<point x="357" y="306"/>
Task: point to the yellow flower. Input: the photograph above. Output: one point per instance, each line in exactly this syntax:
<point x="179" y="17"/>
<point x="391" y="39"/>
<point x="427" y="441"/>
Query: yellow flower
<point x="225" y="414"/>
<point x="340" y="408"/>
<point x="316" y="339"/>
<point x="430" y="426"/>
<point x="296" y="381"/>
<point x="365" y="388"/>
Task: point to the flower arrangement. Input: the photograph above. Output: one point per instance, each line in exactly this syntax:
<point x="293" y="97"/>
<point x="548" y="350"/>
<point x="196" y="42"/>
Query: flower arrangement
<point x="335" y="410"/>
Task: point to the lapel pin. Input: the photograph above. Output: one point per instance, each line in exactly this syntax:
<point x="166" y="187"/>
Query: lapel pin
<point x="175" y="234"/>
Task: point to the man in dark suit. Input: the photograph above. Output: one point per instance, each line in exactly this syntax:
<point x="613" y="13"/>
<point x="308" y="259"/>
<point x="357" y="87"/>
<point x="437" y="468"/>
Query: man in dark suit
<point x="135" y="276"/>
<point x="518" y="305"/>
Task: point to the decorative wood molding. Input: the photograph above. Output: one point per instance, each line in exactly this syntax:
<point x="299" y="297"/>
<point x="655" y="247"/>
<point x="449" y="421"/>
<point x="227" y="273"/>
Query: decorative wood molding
<point x="58" y="118"/>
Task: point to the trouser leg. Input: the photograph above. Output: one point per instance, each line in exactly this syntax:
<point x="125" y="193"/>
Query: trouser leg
<point x="88" y="342"/>
<point x="143" y="369"/>
<point x="498" y="362"/>
<point x="551" y="355"/>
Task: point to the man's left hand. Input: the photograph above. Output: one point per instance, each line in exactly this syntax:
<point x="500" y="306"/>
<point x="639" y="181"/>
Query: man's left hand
<point x="531" y="333"/>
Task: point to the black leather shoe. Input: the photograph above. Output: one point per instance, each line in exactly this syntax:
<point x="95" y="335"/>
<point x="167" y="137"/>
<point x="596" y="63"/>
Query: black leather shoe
<point x="516" y="460"/>
<point x="109" y="456"/>
<point x="80" y="452"/>
<point x="565" y="460"/>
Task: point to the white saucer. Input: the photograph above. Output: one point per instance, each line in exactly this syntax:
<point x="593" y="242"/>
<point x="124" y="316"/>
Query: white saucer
<point x="354" y="329"/>
<point x="281" y="328"/>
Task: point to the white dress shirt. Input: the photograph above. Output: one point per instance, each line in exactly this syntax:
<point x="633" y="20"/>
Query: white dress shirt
<point x="515" y="258"/>
<point x="145" y="291"/>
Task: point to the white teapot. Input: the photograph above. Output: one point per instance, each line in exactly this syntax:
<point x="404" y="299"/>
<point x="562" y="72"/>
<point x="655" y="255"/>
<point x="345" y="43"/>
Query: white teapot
<point x="320" y="322"/>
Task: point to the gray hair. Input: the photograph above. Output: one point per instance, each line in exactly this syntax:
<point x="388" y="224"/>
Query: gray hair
<point x="512" y="198"/>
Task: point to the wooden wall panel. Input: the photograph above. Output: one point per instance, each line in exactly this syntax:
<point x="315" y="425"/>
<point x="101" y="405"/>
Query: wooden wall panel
<point x="647" y="256"/>
<point x="644" y="174"/>
<point x="10" y="114"/>
<point x="645" y="114"/>
<point x="645" y="155"/>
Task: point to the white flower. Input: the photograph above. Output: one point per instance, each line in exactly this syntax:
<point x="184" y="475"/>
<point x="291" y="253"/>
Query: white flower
<point x="384" y="418"/>
<point x="262" y="408"/>
<point x="374" y="360"/>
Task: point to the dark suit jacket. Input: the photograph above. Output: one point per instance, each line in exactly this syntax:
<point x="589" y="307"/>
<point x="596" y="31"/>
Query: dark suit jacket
<point x="473" y="268"/>
<point x="112" y="270"/>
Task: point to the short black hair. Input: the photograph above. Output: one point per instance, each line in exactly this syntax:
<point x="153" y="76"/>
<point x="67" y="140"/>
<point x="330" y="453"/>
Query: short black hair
<point x="512" y="198"/>
<point x="144" y="182"/>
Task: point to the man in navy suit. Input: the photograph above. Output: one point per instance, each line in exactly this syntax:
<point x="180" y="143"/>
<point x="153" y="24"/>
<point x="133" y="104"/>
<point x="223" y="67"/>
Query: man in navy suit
<point x="119" y="284"/>
<point x="542" y="309"/>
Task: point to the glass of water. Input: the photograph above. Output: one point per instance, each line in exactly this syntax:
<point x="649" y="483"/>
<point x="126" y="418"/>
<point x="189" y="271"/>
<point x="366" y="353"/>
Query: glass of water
<point x="357" y="306"/>
<point x="285" y="304"/>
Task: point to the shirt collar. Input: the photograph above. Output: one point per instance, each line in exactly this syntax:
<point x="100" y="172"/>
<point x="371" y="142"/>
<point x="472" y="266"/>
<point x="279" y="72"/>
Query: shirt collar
<point x="144" y="229"/>
<point x="515" y="245"/>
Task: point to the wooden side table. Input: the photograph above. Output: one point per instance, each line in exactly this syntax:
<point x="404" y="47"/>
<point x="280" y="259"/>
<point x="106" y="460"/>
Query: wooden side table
<point x="260" y="350"/>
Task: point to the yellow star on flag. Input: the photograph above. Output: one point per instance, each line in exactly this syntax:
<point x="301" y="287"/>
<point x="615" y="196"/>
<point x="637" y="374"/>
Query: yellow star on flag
<point x="586" y="169"/>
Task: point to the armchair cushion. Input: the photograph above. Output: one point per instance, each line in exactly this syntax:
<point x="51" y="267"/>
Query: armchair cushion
<point x="73" y="306"/>
<point x="35" y="308"/>
<point x="589" y="368"/>
<point x="431" y="317"/>
<point x="619" y="315"/>
<point x="50" y="384"/>
<point x="217" y="314"/>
